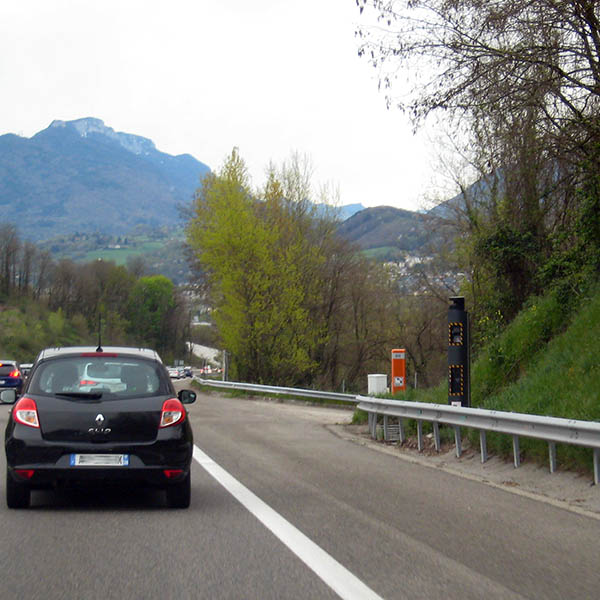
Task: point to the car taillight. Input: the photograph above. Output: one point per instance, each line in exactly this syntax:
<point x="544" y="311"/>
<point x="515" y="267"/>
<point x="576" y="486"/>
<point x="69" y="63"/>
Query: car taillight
<point x="15" y="373"/>
<point x="25" y="473"/>
<point x="172" y="413"/>
<point x="87" y="382"/>
<point x="172" y="473"/>
<point x="25" y="412"/>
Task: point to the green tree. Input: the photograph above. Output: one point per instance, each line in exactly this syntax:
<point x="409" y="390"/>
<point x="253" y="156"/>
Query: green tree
<point x="294" y="303"/>
<point x="255" y="264"/>
<point x="148" y="310"/>
<point x="477" y="58"/>
<point x="520" y="84"/>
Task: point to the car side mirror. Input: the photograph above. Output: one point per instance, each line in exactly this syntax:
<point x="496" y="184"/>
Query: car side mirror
<point x="10" y="396"/>
<point x="186" y="396"/>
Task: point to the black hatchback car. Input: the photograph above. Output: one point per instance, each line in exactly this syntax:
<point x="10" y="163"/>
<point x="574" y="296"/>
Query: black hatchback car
<point x="97" y="417"/>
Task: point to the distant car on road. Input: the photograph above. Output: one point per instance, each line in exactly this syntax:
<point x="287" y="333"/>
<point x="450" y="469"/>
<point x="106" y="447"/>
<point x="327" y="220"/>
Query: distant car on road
<point x="25" y="368"/>
<point x="173" y="372"/>
<point x="10" y="375"/>
<point x="66" y="431"/>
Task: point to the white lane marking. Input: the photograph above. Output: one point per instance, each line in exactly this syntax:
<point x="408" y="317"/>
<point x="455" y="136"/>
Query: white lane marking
<point x="336" y="576"/>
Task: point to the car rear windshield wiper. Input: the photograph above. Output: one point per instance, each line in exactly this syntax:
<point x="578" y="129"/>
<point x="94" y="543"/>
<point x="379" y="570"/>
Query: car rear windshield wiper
<point x="81" y="395"/>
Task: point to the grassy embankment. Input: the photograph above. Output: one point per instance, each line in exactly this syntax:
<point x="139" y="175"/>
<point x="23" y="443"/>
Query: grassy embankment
<point x="546" y="362"/>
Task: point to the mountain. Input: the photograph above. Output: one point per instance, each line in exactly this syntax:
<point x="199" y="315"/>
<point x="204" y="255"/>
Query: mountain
<point x="82" y="176"/>
<point x="387" y="227"/>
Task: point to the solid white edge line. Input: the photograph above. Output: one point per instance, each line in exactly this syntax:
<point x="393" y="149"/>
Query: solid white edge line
<point x="335" y="575"/>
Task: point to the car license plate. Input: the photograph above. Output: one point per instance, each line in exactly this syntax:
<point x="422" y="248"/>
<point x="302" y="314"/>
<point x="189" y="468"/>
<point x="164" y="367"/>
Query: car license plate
<point x="99" y="460"/>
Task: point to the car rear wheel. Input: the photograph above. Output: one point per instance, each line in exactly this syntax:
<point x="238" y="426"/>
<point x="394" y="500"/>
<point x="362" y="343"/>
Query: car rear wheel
<point x="179" y="494"/>
<point x="17" y="494"/>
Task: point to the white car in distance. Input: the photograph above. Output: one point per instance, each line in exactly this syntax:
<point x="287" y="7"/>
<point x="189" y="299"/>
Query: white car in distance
<point x="173" y="372"/>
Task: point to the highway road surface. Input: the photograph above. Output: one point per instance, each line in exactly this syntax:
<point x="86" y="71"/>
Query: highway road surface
<point x="283" y="508"/>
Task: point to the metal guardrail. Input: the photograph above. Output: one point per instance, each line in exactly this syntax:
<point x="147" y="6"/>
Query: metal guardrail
<point x="270" y="389"/>
<point x="550" y="429"/>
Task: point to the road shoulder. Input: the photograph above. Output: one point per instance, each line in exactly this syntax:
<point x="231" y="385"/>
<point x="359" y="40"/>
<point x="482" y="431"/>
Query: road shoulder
<point x="564" y="489"/>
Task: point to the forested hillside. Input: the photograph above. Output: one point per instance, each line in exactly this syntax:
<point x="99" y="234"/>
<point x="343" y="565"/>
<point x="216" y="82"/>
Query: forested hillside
<point x="402" y="231"/>
<point x="48" y="303"/>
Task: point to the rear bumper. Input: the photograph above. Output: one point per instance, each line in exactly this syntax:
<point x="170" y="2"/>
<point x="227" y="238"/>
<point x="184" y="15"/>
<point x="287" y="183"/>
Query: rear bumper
<point x="72" y="477"/>
<point x="52" y="466"/>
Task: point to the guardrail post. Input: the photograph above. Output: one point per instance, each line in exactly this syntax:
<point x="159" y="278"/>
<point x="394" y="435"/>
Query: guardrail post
<point x="436" y="436"/>
<point x="401" y="431"/>
<point x="391" y="428"/>
<point x="483" y="445"/>
<point x="596" y="466"/>
<point x="552" y="455"/>
<point x="372" y="419"/>
<point x="420" y="435"/>
<point x="516" y="452"/>
<point x="457" y="441"/>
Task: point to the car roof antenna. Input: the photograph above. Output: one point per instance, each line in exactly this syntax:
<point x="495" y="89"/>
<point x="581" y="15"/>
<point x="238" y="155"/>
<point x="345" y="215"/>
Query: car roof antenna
<point x="99" y="348"/>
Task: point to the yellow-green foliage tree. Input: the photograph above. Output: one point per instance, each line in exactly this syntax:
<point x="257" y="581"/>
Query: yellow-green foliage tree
<point x="294" y="304"/>
<point x="257" y="263"/>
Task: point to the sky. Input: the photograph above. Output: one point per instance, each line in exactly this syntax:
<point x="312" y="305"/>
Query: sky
<point x="270" y="77"/>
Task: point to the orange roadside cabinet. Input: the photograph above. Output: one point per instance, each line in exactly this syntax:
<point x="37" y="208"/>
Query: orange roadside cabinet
<point x="398" y="370"/>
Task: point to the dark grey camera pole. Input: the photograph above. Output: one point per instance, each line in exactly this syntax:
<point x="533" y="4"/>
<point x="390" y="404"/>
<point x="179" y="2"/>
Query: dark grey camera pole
<point x="459" y="388"/>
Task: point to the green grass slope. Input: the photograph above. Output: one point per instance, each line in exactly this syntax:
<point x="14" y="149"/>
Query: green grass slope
<point x="546" y="362"/>
<point x="555" y="375"/>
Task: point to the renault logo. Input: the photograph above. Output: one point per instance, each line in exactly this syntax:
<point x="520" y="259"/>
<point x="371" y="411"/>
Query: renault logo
<point x="99" y="429"/>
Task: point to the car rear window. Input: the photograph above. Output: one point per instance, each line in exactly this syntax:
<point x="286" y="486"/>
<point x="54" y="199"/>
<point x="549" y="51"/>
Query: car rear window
<point x="117" y="377"/>
<point x="103" y="370"/>
<point x="6" y="369"/>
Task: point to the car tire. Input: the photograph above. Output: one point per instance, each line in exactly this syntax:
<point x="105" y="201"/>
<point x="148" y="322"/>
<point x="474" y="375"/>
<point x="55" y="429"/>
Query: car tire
<point x="17" y="494"/>
<point x="179" y="494"/>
